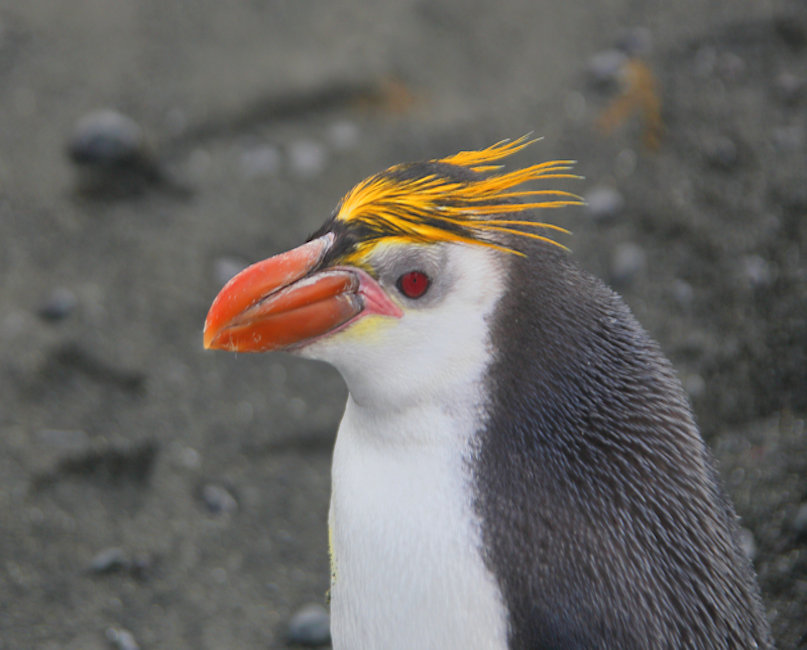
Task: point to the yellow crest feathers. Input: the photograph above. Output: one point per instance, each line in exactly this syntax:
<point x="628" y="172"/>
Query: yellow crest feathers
<point x="429" y="203"/>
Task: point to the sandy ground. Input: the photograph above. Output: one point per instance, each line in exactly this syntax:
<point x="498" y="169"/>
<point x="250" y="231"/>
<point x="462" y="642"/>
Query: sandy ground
<point x="150" y="487"/>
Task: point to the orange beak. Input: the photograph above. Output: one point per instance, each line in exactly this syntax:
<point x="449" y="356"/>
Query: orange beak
<point x="286" y="301"/>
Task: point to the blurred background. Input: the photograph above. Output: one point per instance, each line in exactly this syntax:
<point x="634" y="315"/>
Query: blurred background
<point x="154" y="495"/>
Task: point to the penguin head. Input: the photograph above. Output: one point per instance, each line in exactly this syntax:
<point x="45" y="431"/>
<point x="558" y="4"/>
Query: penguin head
<point x="397" y="287"/>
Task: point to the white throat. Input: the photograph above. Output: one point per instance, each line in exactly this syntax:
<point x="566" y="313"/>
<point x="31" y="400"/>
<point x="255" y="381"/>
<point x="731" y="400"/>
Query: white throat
<point x="406" y="542"/>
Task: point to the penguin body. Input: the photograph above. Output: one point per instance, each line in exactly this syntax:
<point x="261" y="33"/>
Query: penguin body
<point x="517" y="466"/>
<point x="608" y="528"/>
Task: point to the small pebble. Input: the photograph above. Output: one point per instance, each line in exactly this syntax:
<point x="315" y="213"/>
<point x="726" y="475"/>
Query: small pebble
<point x="604" y="203"/>
<point x="637" y="41"/>
<point x="106" y="139"/>
<point x="627" y="261"/>
<point x="114" y="159"/>
<point x="788" y="87"/>
<point x="694" y="385"/>
<point x="307" y="158"/>
<point x="747" y="543"/>
<point x="721" y="153"/>
<point x="58" y="305"/>
<point x="189" y="458"/>
<point x="260" y="162"/>
<point x="109" y="560"/>
<point x="310" y="626"/>
<point x="121" y="639"/>
<point x="737" y="477"/>
<point x="682" y="293"/>
<point x="800" y="522"/>
<point x="218" y="500"/>
<point x="756" y="271"/>
<point x="343" y="135"/>
<point x="140" y="565"/>
<point x="605" y="67"/>
<point x="298" y="408"/>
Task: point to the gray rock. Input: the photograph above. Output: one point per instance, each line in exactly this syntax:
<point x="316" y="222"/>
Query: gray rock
<point x="116" y="560"/>
<point x="307" y="158"/>
<point x="114" y="158"/>
<point x="109" y="560"/>
<point x="58" y="305"/>
<point x="260" y="161"/>
<point x="604" y="202"/>
<point x="141" y="565"/>
<point x="637" y="41"/>
<point x="756" y="271"/>
<point x="121" y="639"/>
<point x="310" y="626"/>
<point x="682" y="293"/>
<point x="799" y="523"/>
<point x="605" y="67"/>
<point x="343" y="135"/>
<point x="218" y="499"/>
<point x="694" y="385"/>
<point x="748" y="543"/>
<point x="627" y="261"/>
<point x="721" y="152"/>
<point x="106" y="138"/>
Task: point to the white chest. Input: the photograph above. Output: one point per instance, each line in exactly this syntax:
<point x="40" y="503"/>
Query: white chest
<point x="405" y="540"/>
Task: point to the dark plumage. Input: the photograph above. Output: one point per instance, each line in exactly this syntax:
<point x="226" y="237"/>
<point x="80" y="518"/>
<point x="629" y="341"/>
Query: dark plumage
<point x="603" y="520"/>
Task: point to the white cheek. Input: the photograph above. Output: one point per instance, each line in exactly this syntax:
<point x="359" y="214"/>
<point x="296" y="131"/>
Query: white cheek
<point x="428" y="352"/>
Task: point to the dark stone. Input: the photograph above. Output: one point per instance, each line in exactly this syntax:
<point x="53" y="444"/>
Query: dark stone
<point x="109" y="560"/>
<point x="310" y="626"/>
<point x="218" y="499"/>
<point x="58" y="305"/>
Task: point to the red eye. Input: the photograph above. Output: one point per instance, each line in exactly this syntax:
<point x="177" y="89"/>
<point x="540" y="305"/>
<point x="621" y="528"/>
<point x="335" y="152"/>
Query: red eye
<point x="414" y="284"/>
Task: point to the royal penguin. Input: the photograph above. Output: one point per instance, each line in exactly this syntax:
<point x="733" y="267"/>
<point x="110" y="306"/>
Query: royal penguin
<point x="517" y="465"/>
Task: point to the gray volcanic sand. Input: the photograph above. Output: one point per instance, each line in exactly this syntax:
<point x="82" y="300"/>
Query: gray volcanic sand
<point x="181" y="495"/>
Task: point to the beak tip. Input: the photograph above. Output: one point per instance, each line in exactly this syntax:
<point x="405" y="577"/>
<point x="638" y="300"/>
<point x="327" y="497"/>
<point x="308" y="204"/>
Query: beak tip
<point x="209" y="336"/>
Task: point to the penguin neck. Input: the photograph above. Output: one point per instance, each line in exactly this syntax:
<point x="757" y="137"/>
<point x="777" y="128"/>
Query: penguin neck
<point x="402" y="522"/>
<point x="445" y="420"/>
